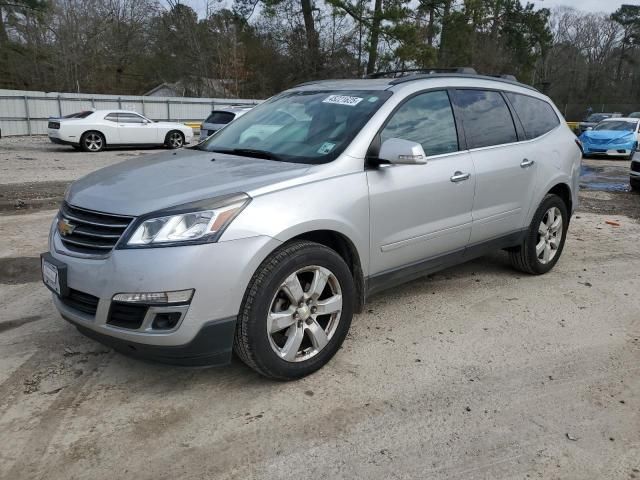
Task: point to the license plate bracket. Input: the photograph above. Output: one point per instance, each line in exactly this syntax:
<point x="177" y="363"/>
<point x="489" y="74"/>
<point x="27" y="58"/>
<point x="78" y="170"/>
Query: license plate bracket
<point x="54" y="274"/>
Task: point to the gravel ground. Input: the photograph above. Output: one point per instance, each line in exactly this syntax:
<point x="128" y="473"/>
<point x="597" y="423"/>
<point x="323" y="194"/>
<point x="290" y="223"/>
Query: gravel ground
<point x="475" y="372"/>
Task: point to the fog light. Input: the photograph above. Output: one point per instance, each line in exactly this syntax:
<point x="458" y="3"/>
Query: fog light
<point x="166" y="321"/>
<point x="160" y="298"/>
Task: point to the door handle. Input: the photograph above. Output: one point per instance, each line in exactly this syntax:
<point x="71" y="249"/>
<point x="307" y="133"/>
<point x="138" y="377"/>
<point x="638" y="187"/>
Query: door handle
<point x="526" y="163"/>
<point x="460" y="177"/>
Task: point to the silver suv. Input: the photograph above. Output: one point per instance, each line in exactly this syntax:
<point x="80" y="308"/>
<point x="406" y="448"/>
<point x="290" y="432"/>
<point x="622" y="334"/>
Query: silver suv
<point x="266" y="238"/>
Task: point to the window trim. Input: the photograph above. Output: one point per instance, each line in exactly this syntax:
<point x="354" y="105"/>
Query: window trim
<point x="144" y="119"/>
<point x="371" y="156"/>
<point x="520" y="136"/>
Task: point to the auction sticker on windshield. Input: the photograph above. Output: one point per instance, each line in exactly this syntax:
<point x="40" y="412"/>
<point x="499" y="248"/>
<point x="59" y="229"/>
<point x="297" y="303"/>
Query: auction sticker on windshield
<point x="342" y="100"/>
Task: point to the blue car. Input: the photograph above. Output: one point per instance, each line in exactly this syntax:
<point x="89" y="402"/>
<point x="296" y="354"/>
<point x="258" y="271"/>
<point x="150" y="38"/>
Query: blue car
<point x="613" y="137"/>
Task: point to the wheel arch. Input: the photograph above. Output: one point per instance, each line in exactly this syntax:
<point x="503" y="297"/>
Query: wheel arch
<point x="564" y="192"/>
<point x="344" y="247"/>
<point x="94" y="130"/>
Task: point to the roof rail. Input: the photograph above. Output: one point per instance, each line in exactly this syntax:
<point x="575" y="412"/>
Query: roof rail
<point x="505" y="76"/>
<point x="425" y="71"/>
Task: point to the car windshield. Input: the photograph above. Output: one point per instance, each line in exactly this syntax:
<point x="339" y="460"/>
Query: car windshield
<point x="619" y="125"/>
<point x="304" y="127"/>
<point x="634" y="115"/>
<point x="597" y="117"/>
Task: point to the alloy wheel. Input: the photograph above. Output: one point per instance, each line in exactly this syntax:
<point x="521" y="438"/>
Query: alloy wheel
<point x="175" y="140"/>
<point x="549" y="235"/>
<point x="93" y="141"/>
<point x="304" y="313"/>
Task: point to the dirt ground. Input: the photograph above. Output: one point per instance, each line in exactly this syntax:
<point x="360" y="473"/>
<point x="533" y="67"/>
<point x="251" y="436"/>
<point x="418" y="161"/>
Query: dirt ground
<point x="476" y="372"/>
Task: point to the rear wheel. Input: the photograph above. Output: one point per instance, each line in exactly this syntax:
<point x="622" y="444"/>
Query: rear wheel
<point x="545" y="238"/>
<point x="174" y="139"/>
<point x="635" y="184"/>
<point x="92" y="142"/>
<point x="296" y="312"/>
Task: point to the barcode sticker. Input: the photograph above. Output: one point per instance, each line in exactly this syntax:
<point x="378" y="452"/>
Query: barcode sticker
<point x="343" y="100"/>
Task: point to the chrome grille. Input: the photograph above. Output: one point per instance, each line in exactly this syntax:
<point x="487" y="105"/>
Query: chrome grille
<point x="89" y="232"/>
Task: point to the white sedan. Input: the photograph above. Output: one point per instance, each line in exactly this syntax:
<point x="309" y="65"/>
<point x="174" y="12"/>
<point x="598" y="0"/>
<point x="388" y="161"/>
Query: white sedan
<point x="92" y="131"/>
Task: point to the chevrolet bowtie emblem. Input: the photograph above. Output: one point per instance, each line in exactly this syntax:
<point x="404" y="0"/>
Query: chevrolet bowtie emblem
<point x="65" y="228"/>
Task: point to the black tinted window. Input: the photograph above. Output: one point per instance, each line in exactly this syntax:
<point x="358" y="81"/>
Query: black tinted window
<point x="84" y="114"/>
<point x="536" y="115"/>
<point x="426" y="119"/>
<point x="130" y="118"/>
<point x="112" y="117"/>
<point x="220" y="117"/>
<point x="486" y="118"/>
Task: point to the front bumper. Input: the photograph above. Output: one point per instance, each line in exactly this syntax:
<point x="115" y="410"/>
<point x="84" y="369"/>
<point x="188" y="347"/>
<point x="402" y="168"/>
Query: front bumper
<point x="212" y="346"/>
<point x="622" y="150"/>
<point x="218" y="272"/>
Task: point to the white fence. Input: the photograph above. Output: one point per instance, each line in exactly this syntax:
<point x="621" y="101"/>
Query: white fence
<point x="26" y="113"/>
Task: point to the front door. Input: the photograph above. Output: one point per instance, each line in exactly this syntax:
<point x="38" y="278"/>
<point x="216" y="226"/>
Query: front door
<point x="421" y="212"/>
<point x="135" y="129"/>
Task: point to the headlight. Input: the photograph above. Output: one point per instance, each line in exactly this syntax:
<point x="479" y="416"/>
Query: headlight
<point x="199" y="222"/>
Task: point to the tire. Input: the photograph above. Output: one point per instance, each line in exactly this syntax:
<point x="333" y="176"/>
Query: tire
<point x="635" y="184"/>
<point x="270" y="322"/>
<point x="527" y="257"/>
<point x="92" y="142"/>
<point x="174" y="139"/>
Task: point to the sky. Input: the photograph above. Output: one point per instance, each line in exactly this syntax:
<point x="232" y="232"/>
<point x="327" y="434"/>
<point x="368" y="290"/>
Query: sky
<point x="607" y="6"/>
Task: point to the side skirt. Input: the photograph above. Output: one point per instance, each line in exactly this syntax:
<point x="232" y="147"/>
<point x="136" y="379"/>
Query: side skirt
<point x="406" y="273"/>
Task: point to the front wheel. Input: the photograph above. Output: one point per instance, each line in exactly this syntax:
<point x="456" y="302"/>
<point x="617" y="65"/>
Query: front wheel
<point x="296" y="312"/>
<point x="174" y="139"/>
<point x="544" y="239"/>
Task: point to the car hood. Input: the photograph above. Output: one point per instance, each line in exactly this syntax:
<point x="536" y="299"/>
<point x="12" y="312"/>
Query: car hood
<point x="154" y="182"/>
<point x="610" y="135"/>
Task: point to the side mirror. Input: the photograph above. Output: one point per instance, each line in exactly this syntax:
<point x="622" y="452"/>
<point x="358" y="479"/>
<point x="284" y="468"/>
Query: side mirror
<point x="404" y="152"/>
<point x="589" y="128"/>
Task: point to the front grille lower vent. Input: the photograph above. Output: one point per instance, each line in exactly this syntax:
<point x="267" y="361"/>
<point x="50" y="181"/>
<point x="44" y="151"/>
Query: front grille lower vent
<point x="81" y="301"/>
<point x="89" y="232"/>
<point x="126" y="315"/>
<point x="635" y="166"/>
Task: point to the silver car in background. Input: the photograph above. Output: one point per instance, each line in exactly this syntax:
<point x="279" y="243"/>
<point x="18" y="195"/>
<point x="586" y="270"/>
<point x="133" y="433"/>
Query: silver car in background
<point x="266" y="238"/>
<point x="219" y="118"/>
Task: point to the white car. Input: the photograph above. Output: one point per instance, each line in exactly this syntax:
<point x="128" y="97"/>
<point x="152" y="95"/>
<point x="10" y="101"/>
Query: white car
<point x="93" y="131"/>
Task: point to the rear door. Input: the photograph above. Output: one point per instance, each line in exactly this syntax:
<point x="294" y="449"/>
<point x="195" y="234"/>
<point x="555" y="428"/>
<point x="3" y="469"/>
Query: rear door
<point x="505" y="169"/>
<point x="420" y="212"/>
<point x="135" y="129"/>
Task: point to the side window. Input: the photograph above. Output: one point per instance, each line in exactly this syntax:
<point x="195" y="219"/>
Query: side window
<point x="130" y="118"/>
<point x="112" y="117"/>
<point x="486" y="118"/>
<point x="426" y="119"/>
<point x="537" y="116"/>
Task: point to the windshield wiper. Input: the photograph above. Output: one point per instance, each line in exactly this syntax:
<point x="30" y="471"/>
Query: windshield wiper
<point x="249" y="152"/>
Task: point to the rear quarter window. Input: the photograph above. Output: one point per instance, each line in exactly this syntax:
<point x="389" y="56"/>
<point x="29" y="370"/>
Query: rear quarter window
<point x="220" y="117"/>
<point x="537" y="116"/>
